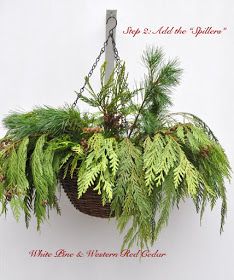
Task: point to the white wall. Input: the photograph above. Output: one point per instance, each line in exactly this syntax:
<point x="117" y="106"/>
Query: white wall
<point x="46" y="48"/>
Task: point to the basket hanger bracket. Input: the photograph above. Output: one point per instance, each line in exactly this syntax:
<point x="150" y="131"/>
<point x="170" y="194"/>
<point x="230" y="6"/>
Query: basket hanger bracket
<point x="109" y="53"/>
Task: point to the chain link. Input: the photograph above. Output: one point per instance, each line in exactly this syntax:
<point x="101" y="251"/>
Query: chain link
<point x="103" y="49"/>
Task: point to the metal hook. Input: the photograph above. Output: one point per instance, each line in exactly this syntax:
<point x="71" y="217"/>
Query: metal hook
<point x="112" y="29"/>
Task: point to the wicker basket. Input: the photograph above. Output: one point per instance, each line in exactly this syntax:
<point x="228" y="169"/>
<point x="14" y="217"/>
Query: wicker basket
<point x="90" y="203"/>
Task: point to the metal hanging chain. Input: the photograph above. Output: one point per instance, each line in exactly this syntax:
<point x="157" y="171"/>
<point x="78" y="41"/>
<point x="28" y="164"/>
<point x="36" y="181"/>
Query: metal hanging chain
<point x="103" y="49"/>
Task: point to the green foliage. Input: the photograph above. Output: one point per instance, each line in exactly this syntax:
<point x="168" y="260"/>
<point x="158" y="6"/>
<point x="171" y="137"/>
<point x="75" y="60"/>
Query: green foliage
<point x="161" y="78"/>
<point x="185" y="157"/>
<point x="167" y="199"/>
<point x="15" y="167"/>
<point x="159" y="157"/>
<point x="45" y="120"/>
<point x="130" y="200"/>
<point x="39" y="181"/>
<point x="133" y="153"/>
<point x="114" y="101"/>
<point x="99" y="167"/>
<point x="113" y="95"/>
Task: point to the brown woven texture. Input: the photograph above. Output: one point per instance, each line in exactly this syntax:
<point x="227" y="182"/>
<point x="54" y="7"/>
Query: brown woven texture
<point x="90" y="203"/>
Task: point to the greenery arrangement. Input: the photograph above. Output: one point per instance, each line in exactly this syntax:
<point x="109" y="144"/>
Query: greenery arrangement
<point x="136" y="154"/>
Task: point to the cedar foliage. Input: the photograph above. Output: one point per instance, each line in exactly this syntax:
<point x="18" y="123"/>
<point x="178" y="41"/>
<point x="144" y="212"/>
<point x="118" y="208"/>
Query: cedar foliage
<point x="133" y="152"/>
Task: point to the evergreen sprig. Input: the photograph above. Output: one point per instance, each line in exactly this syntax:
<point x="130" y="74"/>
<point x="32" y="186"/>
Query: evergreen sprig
<point x="99" y="168"/>
<point x="130" y="196"/>
<point x="45" y="120"/>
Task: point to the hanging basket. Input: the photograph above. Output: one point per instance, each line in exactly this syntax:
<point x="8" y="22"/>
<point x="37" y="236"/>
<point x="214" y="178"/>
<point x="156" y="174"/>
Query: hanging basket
<point x="90" y="203"/>
<point x="142" y="159"/>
